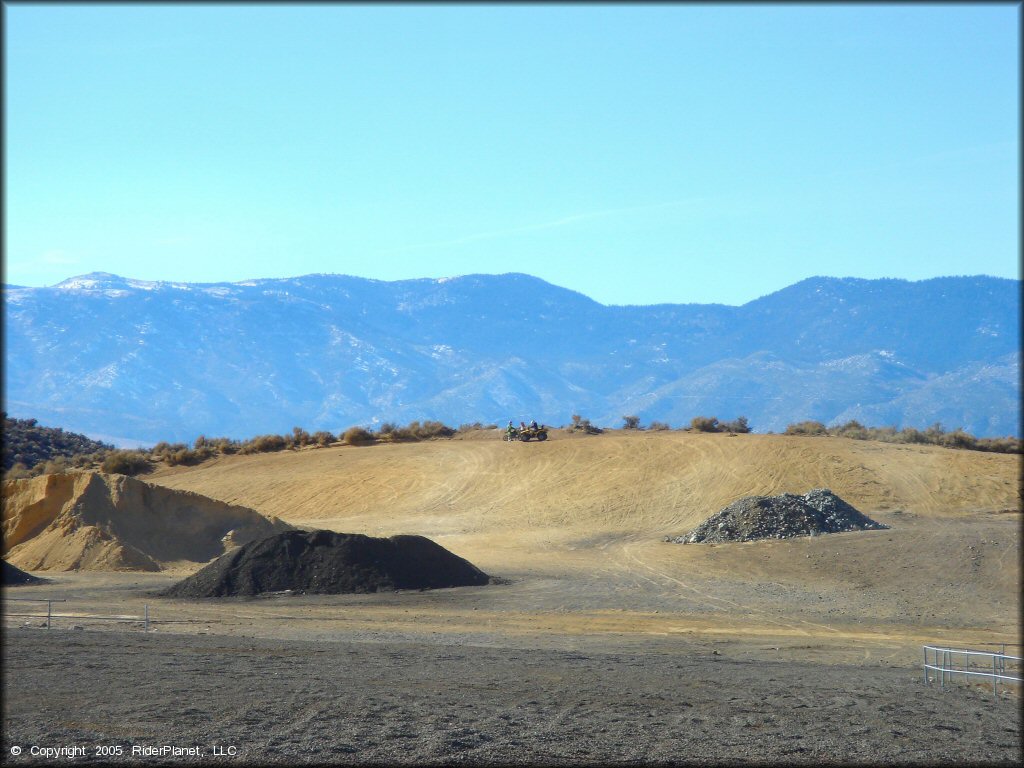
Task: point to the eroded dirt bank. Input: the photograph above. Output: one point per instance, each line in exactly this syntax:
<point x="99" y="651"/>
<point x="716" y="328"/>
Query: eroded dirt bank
<point x="104" y="522"/>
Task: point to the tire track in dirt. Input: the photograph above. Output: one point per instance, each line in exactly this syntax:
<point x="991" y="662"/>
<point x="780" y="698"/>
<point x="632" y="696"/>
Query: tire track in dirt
<point x="629" y="556"/>
<point x="496" y="492"/>
<point x="456" y="479"/>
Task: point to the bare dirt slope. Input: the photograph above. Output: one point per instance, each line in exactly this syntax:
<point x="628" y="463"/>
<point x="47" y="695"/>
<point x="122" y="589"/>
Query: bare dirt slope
<point x="642" y="482"/>
<point x="94" y="521"/>
<point x="577" y="524"/>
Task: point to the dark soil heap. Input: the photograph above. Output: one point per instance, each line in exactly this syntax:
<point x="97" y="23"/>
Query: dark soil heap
<point x="324" y="562"/>
<point x="780" y="517"/>
<point x="14" y="576"/>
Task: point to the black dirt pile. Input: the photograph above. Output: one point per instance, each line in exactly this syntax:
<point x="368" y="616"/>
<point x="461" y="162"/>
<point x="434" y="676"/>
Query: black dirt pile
<point x="14" y="576"/>
<point x="324" y="562"/>
<point x="780" y="517"/>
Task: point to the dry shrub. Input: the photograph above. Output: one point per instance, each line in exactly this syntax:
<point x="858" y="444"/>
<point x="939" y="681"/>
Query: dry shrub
<point x="933" y="435"/>
<point x="224" y="445"/>
<point x="186" y="457"/>
<point x="417" y="431"/>
<point x="126" y="463"/>
<point x="911" y="435"/>
<point x="852" y="429"/>
<point x="999" y="444"/>
<point x="18" y="472"/>
<point x="56" y="466"/>
<point x="357" y="436"/>
<point x="704" y="423"/>
<point x="579" y="424"/>
<point x="300" y="438"/>
<point x="264" y="444"/>
<point x="430" y="429"/>
<point x="806" y="428"/>
<point x="958" y="439"/>
<point x="739" y="426"/>
<point x="323" y="438"/>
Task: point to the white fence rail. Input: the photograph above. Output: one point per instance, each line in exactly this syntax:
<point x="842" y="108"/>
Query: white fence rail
<point x="50" y="615"/>
<point x="986" y="664"/>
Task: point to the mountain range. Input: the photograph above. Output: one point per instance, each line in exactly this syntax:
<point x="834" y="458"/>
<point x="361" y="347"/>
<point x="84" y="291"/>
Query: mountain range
<point x="131" y="360"/>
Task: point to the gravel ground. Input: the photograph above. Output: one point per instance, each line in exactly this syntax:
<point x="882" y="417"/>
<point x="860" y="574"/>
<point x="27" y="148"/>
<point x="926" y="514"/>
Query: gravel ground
<point x="402" y="703"/>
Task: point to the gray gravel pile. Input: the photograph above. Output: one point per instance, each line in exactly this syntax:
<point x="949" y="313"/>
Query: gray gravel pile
<point x="780" y="517"/>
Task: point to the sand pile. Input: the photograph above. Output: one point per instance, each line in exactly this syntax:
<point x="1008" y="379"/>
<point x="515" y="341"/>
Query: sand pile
<point x="15" y="576"/>
<point x="325" y="562"/>
<point x="93" y="521"/>
<point x="780" y="517"/>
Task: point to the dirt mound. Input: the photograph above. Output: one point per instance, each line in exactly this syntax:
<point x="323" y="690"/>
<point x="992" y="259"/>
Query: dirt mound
<point x="780" y="517"/>
<point x="14" y="576"/>
<point x="325" y="562"/>
<point x="94" y="521"/>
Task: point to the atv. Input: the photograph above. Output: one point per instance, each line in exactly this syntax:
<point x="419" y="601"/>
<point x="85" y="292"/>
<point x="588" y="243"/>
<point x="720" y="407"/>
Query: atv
<point x="533" y="433"/>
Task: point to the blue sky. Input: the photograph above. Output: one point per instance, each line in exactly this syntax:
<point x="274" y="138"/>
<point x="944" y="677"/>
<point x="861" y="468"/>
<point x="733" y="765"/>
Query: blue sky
<point x="637" y="154"/>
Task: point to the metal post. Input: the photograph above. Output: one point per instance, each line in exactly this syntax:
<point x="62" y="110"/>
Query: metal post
<point x="48" y="613"/>
<point x="995" y="676"/>
<point x="147" y="618"/>
<point x="926" y="665"/>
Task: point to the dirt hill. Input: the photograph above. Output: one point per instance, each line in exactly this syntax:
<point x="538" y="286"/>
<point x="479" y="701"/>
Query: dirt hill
<point x="619" y="482"/>
<point x="94" y="521"/>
